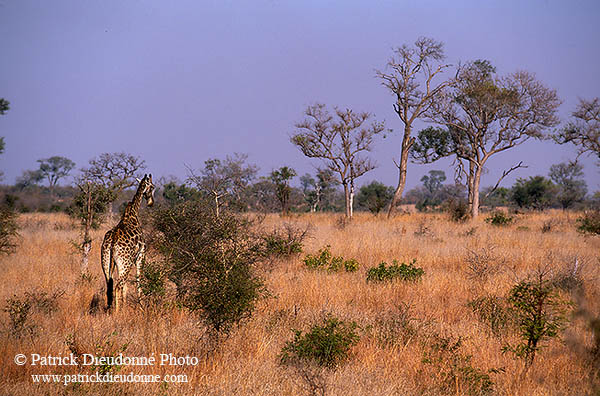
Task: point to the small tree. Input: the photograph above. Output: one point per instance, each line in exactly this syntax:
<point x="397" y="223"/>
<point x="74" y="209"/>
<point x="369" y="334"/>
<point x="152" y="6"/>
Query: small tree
<point x="89" y="207"/>
<point x="433" y="185"/>
<point x="540" y="314"/>
<point x="410" y="79"/>
<point x="116" y="172"/>
<point x="567" y="177"/>
<point x="374" y="196"/>
<point x="281" y="178"/>
<point x="224" y="179"/>
<point x="53" y="169"/>
<point x="339" y="141"/>
<point x="584" y="128"/>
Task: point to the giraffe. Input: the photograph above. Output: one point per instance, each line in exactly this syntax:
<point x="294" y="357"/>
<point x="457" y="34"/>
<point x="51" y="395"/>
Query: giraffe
<point x="123" y="246"/>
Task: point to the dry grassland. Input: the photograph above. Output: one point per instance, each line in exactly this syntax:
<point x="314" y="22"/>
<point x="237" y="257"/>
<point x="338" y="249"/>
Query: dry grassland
<point x="387" y="360"/>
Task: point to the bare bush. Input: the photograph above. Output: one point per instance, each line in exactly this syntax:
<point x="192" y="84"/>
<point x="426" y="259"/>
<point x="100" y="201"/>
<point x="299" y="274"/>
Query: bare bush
<point x="483" y="263"/>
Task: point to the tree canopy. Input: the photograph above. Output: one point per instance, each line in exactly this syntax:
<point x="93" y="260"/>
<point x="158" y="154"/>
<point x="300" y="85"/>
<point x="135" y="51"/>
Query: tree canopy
<point x="339" y="140"/>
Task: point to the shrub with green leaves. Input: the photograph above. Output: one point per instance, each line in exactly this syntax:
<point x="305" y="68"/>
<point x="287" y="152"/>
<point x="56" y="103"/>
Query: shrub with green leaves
<point x="327" y="345"/>
<point x="153" y="279"/>
<point x="324" y="260"/>
<point x="492" y="311"/>
<point x="452" y="370"/>
<point x="285" y="241"/>
<point x="211" y="261"/>
<point x="589" y="223"/>
<point x="406" y="272"/>
<point x="499" y="219"/>
<point x="540" y="314"/>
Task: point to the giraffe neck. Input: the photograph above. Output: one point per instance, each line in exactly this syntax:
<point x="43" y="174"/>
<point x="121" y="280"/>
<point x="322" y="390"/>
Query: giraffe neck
<point x="133" y="207"/>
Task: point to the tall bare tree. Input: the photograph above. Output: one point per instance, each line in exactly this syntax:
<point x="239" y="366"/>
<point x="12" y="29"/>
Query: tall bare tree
<point x="220" y="179"/>
<point x="409" y="75"/>
<point x="486" y="115"/>
<point x="339" y="141"/>
<point x="115" y="172"/>
<point x="584" y="128"/>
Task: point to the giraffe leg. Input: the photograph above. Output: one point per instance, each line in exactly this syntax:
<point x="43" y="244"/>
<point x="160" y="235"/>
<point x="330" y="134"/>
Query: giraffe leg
<point x="119" y="281"/>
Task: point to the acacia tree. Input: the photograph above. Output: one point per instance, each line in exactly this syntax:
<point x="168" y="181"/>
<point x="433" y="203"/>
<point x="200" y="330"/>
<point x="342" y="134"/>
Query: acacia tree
<point x="486" y="115"/>
<point x="220" y="179"/>
<point x="410" y="79"/>
<point x="115" y="172"/>
<point x="281" y="178"/>
<point x="584" y="128"/>
<point x="53" y="169"/>
<point x="568" y="178"/>
<point x="339" y="141"/>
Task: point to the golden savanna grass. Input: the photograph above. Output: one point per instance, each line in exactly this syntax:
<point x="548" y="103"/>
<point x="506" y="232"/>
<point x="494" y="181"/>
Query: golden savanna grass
<point x="247" y="362"/>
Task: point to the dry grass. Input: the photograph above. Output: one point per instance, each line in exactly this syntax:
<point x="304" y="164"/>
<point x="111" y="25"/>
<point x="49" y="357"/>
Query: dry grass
<point x="246" y="363"/>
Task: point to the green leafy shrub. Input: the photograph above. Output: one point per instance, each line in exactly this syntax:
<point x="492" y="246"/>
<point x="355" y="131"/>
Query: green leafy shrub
<point x="324" y="260"/>
<point x="212" y="261"/>
<point x="452" y="369"/>
<point x="407" y="272"/>
<point x="327" y="345"/>
<point x="492" y="311"/>
<point x="589" y="223"/>
<point x="499" y="219"/>
<point x="153" y="278"/>
<point x="540" y="314"/>
<point x="351" y="265"/>
<point x="284" y="242"/>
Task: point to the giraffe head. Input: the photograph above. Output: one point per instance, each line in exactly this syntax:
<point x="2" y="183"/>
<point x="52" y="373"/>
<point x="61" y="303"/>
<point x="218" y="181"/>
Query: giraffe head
<point x="147" y="188"/>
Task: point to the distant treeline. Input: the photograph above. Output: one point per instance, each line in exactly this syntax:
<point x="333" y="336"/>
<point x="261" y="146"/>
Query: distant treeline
<point x="563" y="189"/>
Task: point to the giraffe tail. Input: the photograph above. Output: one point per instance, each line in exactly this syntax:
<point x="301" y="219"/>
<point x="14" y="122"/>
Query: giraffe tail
<point x="109" y="293"/>
<point x="110" y="283"/>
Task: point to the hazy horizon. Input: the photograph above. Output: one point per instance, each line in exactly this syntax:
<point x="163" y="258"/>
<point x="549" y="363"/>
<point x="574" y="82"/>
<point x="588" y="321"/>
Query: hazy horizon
<point x="179" y="83"/>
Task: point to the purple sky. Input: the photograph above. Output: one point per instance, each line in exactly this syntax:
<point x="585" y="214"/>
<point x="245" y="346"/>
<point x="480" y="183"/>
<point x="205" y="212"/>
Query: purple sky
<point x="179" y="82"/>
